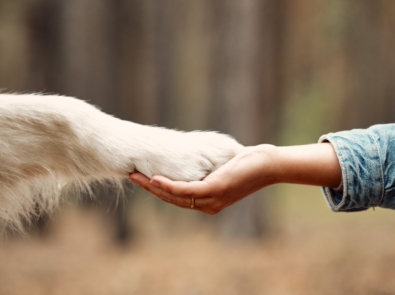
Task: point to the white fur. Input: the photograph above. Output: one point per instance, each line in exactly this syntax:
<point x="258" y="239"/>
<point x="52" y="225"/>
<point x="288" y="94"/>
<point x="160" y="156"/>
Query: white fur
<point x="52" y="145"/>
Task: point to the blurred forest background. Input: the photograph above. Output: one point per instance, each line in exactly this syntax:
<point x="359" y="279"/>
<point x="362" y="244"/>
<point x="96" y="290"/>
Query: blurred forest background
<point x="265" y="71"/>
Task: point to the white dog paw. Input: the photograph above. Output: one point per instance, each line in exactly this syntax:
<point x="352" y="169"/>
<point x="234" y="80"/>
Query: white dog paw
<point x="188" y="156"/>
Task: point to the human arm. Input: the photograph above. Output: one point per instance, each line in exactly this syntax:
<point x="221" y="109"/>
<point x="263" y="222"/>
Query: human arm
<point x="251" y="170"/>
<point x="366" y="158"/>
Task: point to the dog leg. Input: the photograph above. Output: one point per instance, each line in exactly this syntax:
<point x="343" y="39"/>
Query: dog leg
<point x="51" y="144"/>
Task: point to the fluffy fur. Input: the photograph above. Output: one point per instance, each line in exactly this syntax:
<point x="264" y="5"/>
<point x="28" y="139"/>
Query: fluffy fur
<point x="52" y="145"/>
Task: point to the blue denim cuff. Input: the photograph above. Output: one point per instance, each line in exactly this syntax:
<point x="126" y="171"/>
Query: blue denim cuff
<point x="362" y="173"/>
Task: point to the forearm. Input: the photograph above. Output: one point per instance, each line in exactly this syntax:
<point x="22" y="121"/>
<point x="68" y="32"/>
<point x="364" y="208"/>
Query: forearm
<point x="365" y="163"/>
<point x="254" y="168"/>
<point x="315" y="164"/>
<point x="361" y="160"/>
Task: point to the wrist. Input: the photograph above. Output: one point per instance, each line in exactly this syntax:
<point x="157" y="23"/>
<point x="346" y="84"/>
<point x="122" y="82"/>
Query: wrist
<point x="266" y="158"/>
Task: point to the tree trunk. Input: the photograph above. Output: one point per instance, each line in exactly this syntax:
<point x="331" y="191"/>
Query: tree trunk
<point x="247" y="93"/>
<point x="370" y="87"/>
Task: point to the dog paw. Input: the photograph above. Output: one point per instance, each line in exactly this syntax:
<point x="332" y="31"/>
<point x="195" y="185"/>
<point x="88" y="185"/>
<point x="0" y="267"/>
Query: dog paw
<point x="187" y="156"/>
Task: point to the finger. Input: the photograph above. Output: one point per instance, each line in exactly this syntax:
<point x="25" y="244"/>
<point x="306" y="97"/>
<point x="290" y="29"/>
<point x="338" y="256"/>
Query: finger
<point x="146" y="184"/>
<point x="204" y="205"/>
<point x="185" y="203"/>
<point x="182" y="202"/>
<point x="200" y="204"/>
<point x="196" y="189"/>
<point x="137" y="177"/>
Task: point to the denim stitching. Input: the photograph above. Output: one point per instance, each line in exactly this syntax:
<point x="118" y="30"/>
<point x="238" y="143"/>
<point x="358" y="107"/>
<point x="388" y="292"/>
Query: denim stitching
<point x="376" y="145"/>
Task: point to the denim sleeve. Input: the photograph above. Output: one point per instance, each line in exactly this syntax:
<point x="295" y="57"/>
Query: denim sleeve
<point x="367" y="161"/>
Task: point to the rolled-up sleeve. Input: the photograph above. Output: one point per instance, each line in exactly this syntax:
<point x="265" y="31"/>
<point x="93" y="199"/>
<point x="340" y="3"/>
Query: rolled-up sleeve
<point x="367" y="161"/>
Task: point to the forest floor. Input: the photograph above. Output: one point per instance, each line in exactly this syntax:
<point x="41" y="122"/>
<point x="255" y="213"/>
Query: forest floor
<point x="78" y="257"/>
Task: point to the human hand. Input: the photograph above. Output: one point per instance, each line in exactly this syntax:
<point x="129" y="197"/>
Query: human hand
<point x="252" y="169"/>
